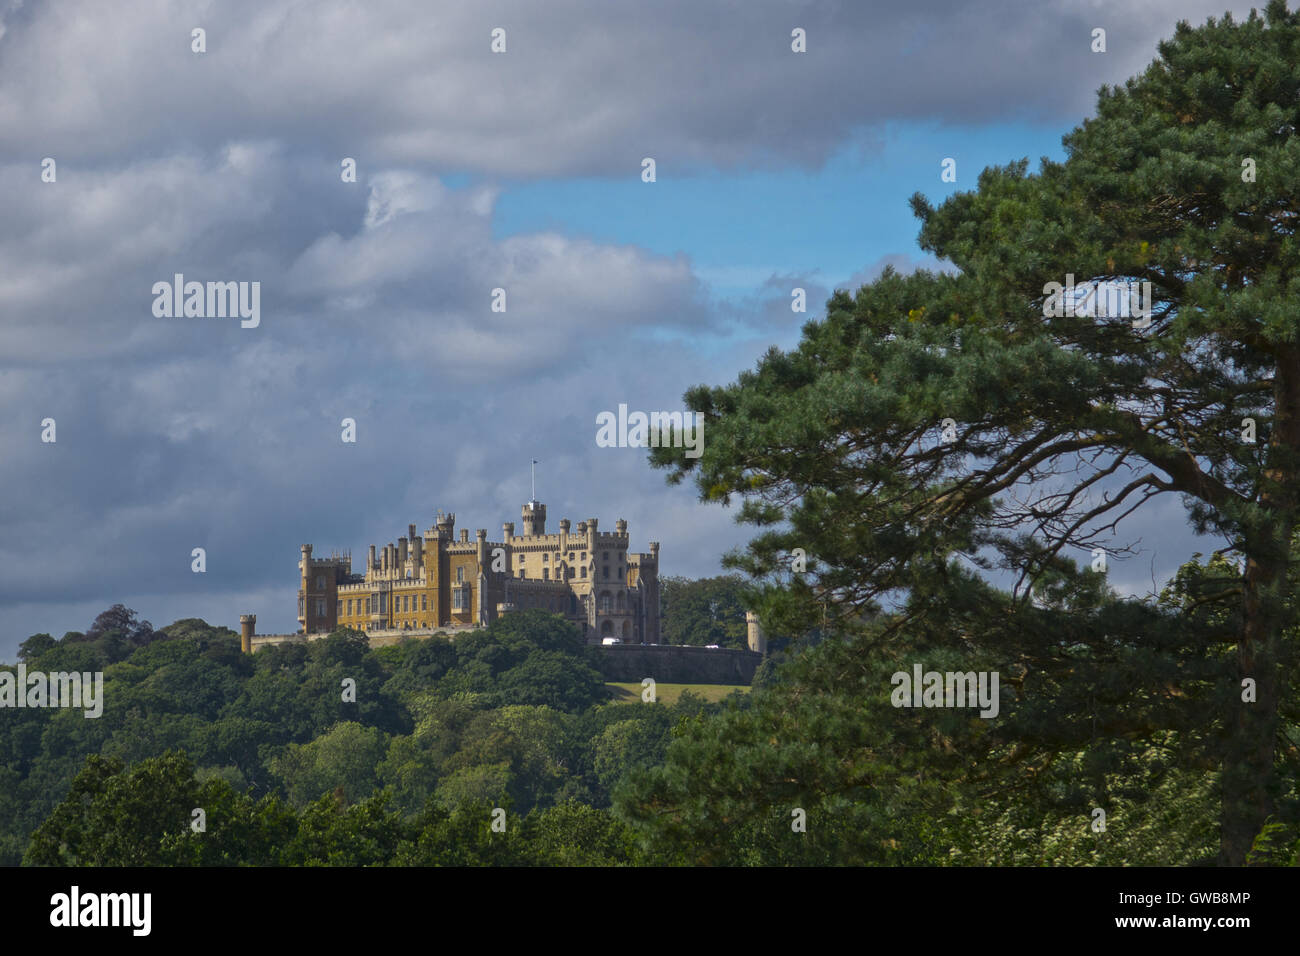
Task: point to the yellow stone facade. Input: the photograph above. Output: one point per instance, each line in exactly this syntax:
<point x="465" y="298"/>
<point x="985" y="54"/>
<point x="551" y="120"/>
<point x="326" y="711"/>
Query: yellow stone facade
<point x="435" y="580"/>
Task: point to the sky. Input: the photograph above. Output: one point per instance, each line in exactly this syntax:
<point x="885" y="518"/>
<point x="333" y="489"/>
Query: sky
<point x="475" y="170"/>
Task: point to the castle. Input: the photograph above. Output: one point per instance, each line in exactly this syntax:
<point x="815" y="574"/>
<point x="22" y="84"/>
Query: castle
<point x="433" y="582"/>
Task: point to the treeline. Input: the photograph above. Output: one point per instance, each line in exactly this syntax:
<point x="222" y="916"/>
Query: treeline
<point x="502" y="747"/>
<point x="287" y="746"/>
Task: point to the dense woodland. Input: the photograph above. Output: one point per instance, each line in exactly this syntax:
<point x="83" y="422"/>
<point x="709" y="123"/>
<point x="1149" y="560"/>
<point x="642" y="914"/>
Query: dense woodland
<point x="516" y="717"/>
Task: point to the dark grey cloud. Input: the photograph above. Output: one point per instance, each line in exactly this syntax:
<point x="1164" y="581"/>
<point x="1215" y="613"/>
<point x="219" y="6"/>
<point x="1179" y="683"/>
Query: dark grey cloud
<point x="584" y="88"/>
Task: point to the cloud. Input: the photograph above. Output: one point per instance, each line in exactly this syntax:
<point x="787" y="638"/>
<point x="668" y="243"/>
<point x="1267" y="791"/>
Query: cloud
<point x="583" y="89"/>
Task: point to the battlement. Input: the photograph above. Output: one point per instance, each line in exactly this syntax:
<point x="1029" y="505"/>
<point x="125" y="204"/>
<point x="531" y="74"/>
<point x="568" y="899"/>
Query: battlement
<point x="442" y="580"/>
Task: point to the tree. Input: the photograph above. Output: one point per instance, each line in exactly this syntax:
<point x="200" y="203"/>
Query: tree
<point x="35" y="646"/>
<point x="704" y="611"/>
<point x="115" y="817"/>
<point x="573" y="834"/>
<point x="121" y="621"/>
<point x="344" y="760"/>
<point x="976" y="415"/>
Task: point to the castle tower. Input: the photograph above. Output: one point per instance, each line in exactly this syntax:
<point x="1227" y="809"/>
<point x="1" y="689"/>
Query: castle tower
<point x="534" y="514"/>
<point x="305" y="605"/>
<point x="247" y="622"/>
<point x="757" y="639"/>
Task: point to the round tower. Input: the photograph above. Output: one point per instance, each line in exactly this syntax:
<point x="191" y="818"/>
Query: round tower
<point x="534" y="515"/>
<point x="246" y="624"/>
<point x="757" y="639"/>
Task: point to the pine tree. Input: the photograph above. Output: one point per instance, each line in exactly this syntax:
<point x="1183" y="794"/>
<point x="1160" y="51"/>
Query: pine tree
<point x="1062" y="421"/>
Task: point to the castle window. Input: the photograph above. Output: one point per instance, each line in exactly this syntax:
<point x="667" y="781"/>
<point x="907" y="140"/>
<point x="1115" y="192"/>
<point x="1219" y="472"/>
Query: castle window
<point x="584" y="572"/>
<point x="570" y="555"/>
<point x="320" y="582"/>
<point x="349" y="607"/>
<point x="546" y="557"/>
<point x="460" y="599"/>
<point x="367" y="605"/>
<point x="424" y="603"/>
<point x="546" y="574"/>
<point x="320" y="607"/>
<point x="460" y="574"/>
<point x="606" y="569"/>
<point x="605" y="602"/>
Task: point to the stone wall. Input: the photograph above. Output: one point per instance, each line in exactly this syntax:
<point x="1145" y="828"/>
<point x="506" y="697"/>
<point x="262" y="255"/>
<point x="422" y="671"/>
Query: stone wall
<point x="672" y="664"/>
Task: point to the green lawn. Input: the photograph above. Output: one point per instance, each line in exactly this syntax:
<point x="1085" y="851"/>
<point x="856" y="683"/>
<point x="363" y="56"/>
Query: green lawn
<point x="628" y="693"/>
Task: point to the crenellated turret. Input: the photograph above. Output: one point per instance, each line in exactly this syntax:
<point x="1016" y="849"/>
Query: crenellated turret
<point x="534" y="515"/>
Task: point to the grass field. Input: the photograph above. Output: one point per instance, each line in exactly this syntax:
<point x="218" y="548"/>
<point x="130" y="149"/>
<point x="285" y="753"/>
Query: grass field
<point x="668" y="693"/>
